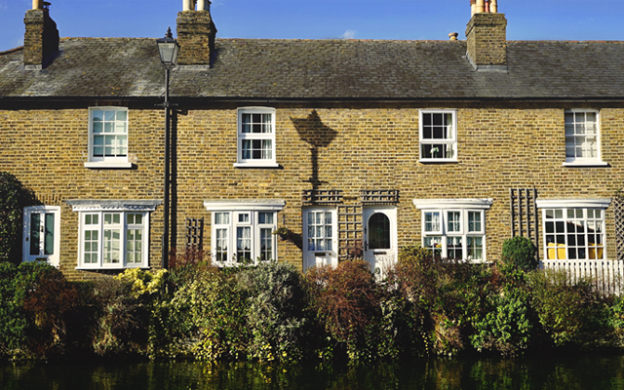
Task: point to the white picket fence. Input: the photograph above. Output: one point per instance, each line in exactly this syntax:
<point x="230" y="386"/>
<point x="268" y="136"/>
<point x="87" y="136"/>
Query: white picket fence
<point x="606" y="275"/>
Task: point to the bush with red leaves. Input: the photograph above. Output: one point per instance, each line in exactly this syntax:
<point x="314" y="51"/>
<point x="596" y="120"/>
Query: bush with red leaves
<point x="344" y="298"/>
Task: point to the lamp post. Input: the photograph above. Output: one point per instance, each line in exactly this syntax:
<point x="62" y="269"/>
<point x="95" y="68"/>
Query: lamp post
<point x="168" y="48"/>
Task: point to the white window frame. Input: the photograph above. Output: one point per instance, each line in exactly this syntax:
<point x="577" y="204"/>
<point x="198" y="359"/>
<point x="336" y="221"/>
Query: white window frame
<point x="53" y="258"/>
<point x="241" y="137"/>
<point x="103" y="161"/>
<point x="585" y="161"/>
<point x="572" y="204"/>
<point x="452" y="140"/>
<point x="463" y="206"/>
<point x="235" y="209"/>
<point x="103" y="207"/>
<point x="324" y="256"/>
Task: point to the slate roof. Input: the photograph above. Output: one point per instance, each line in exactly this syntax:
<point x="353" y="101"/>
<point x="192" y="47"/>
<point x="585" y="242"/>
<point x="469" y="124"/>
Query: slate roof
<point x="323" y="69"/>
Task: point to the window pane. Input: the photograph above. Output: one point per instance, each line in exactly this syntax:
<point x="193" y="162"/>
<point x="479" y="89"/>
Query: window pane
<point x="48" y="246"/>
<point x="266" y="218"/>
<point x="474" y="221"/>
<point x="432" y="221"/>
<point x="454" y="248"/>
<point x="379" y="231"/>
<point x="453" y="223"/>
<point x="35" y="238"/>
<point x="243" y="244"/>
<point x="266" y="245"/>
<point x="222" y="245"/>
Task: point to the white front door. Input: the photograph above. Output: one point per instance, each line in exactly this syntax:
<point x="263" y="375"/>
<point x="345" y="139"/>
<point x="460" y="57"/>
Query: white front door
<point x="42" y="238"/>
<point x="320" y="241"/>
<point x="380" y="238"/>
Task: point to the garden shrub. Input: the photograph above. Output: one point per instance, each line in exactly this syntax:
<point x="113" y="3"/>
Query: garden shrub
<point x="507" y="326"/>
<point x="121" y="323"/>
<point x="345" y="301"/>
<point x="47" y="298"/>
<point x="12" y="320"/>
<point x="211" y="310"/>
<point x="275" y="311"/>
<point x="13" y="198"/>
<point x="569" y="312"/>
<point x="447" y="294"/>
<point x="521" y="253"/>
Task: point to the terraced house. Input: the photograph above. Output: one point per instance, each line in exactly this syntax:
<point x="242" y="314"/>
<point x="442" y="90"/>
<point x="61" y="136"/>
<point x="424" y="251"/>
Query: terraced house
<point x="345" y="148"/>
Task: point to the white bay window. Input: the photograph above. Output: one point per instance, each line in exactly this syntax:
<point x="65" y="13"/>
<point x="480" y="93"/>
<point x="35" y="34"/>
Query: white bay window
<point x="242" y="231"/>
<point x="454" y="228"/>
<point x="113" y="234"/>
<point x="574" y="229"/>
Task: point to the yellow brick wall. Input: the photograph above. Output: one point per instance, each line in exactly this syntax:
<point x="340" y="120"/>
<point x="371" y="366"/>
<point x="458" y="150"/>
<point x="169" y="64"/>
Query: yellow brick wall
<point x="47" y="149"/>
<point x="500" y="146"/>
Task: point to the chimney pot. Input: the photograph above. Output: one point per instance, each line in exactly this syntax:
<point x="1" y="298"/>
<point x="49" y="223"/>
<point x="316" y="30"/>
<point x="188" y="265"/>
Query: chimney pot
<point x="453" y="36"/>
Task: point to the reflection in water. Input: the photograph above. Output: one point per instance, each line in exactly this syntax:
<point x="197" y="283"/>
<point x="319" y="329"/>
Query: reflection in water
<point x="588" y="372"/>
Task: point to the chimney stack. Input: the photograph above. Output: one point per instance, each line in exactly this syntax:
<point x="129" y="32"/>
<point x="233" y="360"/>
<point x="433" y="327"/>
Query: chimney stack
<point x="196" y="33"/>
<point x="41" y="40"/>
<point x="487" y="37"/>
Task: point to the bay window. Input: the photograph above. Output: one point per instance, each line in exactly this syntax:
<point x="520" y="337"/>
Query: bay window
<point x="454" y="228"/>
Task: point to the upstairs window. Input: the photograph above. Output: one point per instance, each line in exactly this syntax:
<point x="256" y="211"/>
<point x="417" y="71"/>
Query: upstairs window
<point x="108" y="137"/>
<point x="438" y="135"/>
<point x="582" y="134"/>
<point x="256" y="137"/>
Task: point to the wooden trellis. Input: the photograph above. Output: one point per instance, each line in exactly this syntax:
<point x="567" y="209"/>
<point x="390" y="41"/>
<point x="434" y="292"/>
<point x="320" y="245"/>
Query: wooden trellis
<point x="619" y="226"/>
<point x="194" y="236"/>
<point x="380" y="196"/>
<point x="321" y="197"/>
<point x="350" y="232"/>
<point x="524" y="218"/>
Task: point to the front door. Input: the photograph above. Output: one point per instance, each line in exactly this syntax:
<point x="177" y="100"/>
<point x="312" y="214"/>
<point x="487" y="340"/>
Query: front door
<point x="319" y="237"/>
<point x="380" y="246"/>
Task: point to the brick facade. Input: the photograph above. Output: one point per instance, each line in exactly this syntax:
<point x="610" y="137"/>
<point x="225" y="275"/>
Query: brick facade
<point x="358" y="147"/>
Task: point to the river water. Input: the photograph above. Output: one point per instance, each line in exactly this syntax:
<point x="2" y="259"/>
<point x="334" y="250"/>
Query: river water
<point x="572" y="372"/>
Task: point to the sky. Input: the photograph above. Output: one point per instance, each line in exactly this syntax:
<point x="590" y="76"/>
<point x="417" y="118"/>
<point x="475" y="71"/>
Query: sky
<point x="323" y="19"/>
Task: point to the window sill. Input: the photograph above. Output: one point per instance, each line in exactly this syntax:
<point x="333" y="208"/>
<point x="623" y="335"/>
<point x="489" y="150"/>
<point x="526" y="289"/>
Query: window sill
<point x="257" y="165"/>
<point x="438" y="161"/>
<point x="120" y="268"/>
<point x="108" y="165"/>
<point x="580" y="164"/>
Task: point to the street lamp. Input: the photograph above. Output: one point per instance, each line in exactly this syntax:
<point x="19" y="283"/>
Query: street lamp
<point x="168" y="48"/>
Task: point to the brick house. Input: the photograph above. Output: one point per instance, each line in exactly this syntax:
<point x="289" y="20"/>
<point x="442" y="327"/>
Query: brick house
<point x="354" y="148"/>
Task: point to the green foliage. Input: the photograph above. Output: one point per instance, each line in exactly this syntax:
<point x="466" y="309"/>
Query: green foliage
<point x="120" y="320"/>
<point x="46" y="299"/>
<point x="12" y="320"/>
<point x="143" y="283"/>
<point x="275" y="314"/>
<point x="520" y="252"/>
<point x="210" y="307"/>
<point x="507" y="326"/>
<point x="568" y="311"/>
<point x="345" y="301"/>
<point x="13" y="198"/>
<point x="447" y="296"/>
